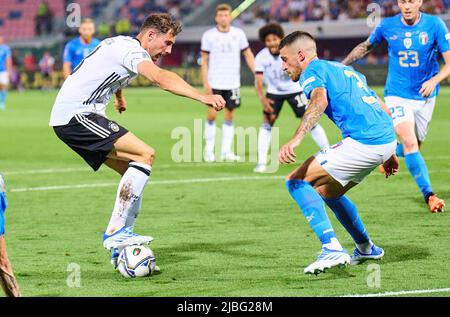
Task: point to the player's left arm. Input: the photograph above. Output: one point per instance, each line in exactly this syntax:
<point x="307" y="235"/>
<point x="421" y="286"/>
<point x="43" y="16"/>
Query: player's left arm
<point x="120" y="103"/>
<point x="429" y="86"/>
<point x="316" y="107"/>
<point x="249" y="59"/>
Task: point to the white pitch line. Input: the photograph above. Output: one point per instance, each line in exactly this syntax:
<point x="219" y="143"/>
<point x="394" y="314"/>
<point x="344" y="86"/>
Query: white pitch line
<point x="165" y="182"/>
<point x="413" y="292"/>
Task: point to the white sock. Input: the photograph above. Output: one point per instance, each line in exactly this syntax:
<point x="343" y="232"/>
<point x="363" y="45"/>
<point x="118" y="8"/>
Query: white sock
<point x="128" y="194"/>
<point x="210" y="136"/>
<point x="333" y="245"/>
<point x="365" y="248"/>
<point x="134" y="213"/>
<point x="319" y="136"/>
<point x="263" y="143"/>
<point x="227" y="137"/>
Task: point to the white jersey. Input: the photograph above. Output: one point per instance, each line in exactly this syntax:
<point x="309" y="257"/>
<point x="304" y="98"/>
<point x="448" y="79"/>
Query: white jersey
<point x="224" y="50"/>
<point x="111" y="66"/>
<point x="277" y="81"/>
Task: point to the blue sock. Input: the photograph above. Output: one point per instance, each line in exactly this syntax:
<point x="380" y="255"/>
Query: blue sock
<point x="399" y="151"/>
<point x="313" y="208"/>
<point x="418" y="169"/>
<point x="347" y="214"/>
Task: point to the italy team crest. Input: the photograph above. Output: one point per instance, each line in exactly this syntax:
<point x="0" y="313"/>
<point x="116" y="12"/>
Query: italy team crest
<point x="407" y="42"/>
<point x="423" y="38"/>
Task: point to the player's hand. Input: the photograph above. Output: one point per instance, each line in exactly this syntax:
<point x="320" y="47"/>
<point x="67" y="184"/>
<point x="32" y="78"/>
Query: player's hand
<point x="267" y="104"/>
<point x="286" y="153"/>
<point x="214" y="101"/>
<point x="120" y="104"/>
<point x="428" y="87"/>
<point x="391" y="166"/>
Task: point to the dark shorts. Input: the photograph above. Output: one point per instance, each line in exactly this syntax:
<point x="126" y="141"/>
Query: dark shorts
<point x="232" y="97"/>
<point x="92" y="136"/>
<point x="293" y="100"/>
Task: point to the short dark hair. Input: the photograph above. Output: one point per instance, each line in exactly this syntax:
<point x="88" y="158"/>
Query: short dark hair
<point x="294" y="36"/>
<point x="224" y="7"/>
<point x="162" y="22"/>
<point x="271" y="28"/>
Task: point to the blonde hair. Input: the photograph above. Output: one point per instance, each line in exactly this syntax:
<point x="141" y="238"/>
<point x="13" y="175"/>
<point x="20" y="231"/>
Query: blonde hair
<point x="224" y="7"/>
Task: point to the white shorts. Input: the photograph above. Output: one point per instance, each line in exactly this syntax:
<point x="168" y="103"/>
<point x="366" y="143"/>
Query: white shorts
<point x="4" y="78"/>
<point x="418" y="112"/>
<point x="351" y="161"/>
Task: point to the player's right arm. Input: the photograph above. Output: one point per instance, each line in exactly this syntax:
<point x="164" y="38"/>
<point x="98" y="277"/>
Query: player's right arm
<point x="362" y="49"/>
<point x="173" y="83"/>
<point x="316" y="107"/>
<point x="205" y="69"/>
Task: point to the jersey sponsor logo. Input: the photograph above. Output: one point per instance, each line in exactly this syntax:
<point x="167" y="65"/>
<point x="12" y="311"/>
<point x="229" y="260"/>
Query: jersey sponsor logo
<point x="408" y="34"/>
<point x="407" y="42"/>
<point x="393" y="37"/>
<point x="423" y="38"/>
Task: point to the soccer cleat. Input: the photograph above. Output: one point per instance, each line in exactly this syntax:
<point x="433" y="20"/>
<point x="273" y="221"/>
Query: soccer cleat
<point x="381" y="169"/>
<point x="124" y="237"/>
<point x="209" y="157"/>
<point x="328" y="259"/>
<point x="230" y="157"/>
<point x="436" y="204"/>
<point x="358" y="257"/>
<point x="260" y="168"/>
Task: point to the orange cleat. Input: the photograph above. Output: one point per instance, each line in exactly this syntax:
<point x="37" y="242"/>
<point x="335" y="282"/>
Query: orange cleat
<point x="381" y="169"/>
<point x="436" y="204"/>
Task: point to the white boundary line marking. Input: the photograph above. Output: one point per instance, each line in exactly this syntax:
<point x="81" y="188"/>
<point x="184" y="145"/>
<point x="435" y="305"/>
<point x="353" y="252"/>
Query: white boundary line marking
<point x="399" y="293"/>
<point x="163" y="182"/>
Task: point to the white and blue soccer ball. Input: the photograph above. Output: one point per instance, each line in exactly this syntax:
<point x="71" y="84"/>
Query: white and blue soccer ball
<point x="136" y="261"/>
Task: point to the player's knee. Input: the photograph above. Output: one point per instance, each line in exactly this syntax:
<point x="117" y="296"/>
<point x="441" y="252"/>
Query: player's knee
<point x="410" y="145"/>
<point x="148" y="156"/>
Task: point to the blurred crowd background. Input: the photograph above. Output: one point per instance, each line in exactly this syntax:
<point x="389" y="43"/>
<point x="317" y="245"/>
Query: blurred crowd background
<point x="37" y="30"/>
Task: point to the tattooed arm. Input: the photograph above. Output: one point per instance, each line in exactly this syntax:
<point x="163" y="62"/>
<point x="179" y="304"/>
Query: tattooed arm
<point x="7" y="279"/>
<point x="316" y="108"/>
<point x="358" y="52"/>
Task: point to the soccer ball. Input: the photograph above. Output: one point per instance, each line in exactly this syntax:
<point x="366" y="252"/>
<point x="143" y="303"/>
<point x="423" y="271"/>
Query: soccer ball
<point x="136" y="261"/>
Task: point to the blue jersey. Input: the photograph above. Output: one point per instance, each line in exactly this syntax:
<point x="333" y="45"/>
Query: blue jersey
<point x="5" y="53"/>
<point x="75" y="51"/>
<point x="3" y="205"/>
<point x="413" y="53"/>
<point x="352" y="106"/>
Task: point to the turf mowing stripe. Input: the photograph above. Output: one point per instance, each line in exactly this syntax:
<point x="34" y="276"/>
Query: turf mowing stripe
<point x="419" y="291"/>
<point x="166" y="182"/>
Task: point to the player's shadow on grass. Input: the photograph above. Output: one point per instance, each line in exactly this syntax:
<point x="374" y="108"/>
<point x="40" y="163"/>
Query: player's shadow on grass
<point x="402" y="253"/>
<point x="180" y="252"/>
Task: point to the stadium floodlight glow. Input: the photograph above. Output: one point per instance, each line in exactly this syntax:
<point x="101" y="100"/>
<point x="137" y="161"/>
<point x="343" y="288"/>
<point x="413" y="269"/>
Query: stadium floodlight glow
<point x="241" y="8"/>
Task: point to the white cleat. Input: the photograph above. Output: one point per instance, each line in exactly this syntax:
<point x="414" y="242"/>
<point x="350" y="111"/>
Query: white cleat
<point x="230" y="157"/>
<point x="328" y="259"/>
<point x="209" y="157"/>
<point x="260" y="168"/>
<point x="124" y="237"/>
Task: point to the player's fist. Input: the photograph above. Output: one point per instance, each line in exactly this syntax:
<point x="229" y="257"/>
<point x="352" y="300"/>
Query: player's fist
<point x="214" y="101"/>
<point x="391" y="166"/>
<point x="120" y="104"/>
<point x="427" y="88"/>
<point x="286" y="153"/>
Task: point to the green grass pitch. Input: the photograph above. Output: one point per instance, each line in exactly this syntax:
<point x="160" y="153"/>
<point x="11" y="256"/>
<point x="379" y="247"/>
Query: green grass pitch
<point x="217" y="238"/>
